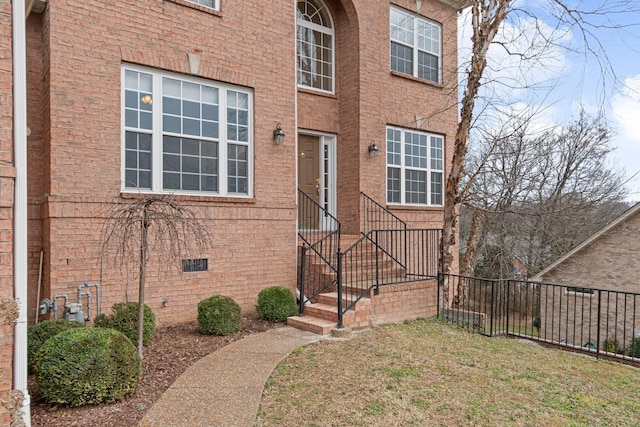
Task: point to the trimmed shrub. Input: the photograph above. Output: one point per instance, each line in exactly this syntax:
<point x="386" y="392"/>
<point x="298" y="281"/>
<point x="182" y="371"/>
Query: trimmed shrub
<point x="86" y="366"/>
<point x="38" y="334"/>
<point x="219" y="315"/>
<point x="611" y="345"/>
<point x="634" y="348"/>
<point x="125" y="319"/>
<point x="276" y="303"/>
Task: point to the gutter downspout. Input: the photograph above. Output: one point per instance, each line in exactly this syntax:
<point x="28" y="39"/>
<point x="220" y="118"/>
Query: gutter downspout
<point x="20" y="204"/>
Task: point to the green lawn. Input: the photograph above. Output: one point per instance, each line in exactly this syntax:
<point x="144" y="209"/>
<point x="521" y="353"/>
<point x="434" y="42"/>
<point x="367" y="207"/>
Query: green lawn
<point x="428" y="373"/>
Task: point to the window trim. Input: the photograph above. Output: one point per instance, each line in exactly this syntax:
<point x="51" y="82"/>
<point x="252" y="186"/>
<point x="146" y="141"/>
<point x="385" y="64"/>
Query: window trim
<point x="429" y="170"/>
<point x="157" y="134"/>
<point x="414" y="47"/>
<point x="326" y="30"/>
<point x="216" y="4"/>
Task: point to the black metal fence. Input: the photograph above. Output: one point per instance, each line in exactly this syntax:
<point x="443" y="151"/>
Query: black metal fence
<point x="386" y="257"/>
<point x="598" y="321"/>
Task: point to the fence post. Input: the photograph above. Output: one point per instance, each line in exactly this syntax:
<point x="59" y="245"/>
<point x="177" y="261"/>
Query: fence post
<point x="598" y="343"/>
<point x="493" y="283"/>
<point x="440" y="283"/>
<point x="301" y="301"/>
<point x="506" y="310"/>
<point x="340" y="254"/>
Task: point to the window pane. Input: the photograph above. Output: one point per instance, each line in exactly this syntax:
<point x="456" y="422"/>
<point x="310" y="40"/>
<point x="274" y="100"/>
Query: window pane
<point x="393" y="185"/>
<point x="416" y="187"/>
<point x="428" y="67"/>
<point x="171" y="106"/>
<point x="137" y="161"/>
<point x="436" y="188"/>
<point x="401" y="58"/>
<point x="191" y="109"/>
<point x="437" y="153"/>
<point x="314" y="51"/>
<point x="401" y="27"/>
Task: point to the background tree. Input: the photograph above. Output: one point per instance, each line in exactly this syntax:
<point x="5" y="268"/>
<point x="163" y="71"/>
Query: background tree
<point x="134" y="229"/>
<point x="552" y="21"/>
<point x="535" y="196"/>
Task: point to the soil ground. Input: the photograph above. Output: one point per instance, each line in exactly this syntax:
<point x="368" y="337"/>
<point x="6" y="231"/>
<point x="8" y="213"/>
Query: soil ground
<point x="172" y="350"/>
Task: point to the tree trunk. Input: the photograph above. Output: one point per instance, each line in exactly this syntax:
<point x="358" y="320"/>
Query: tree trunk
<point x="486" y="19"/>
<point x="143" y="269"/>
<point x="470" y="255"/>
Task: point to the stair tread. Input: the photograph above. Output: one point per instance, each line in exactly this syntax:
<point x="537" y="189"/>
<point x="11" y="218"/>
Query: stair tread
<point x="312" y="320"/>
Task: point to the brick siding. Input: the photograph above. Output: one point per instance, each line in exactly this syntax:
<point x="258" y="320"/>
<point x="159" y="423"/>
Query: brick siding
<point x="610" y="262"/>
<point x="76" y="50"/>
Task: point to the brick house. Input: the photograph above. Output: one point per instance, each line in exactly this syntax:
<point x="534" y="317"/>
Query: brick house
<point x="192" y="98"/>
<point x="184" y="98"/>
<point x="608" y="261"/>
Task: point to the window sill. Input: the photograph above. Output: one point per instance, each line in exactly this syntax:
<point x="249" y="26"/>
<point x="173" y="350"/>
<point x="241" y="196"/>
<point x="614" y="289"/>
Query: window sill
<point x="414" y="207"/>
<point x="318" y="92"/>
<point x="197" y="7"/>
<point x="191" y="198"/>
<point x="416" y="79"/>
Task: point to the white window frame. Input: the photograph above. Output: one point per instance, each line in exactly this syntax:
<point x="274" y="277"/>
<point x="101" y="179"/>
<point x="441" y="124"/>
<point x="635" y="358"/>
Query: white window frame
<point x="413" y="45"/>
<point x="158" y="133"/>
<point x="215" y="4"/>
<point x="327" y="30"/>
<point x="434" y="165"/>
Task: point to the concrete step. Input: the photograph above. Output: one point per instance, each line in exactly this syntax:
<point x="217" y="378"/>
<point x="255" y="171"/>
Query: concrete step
<point x="312" y="324"/>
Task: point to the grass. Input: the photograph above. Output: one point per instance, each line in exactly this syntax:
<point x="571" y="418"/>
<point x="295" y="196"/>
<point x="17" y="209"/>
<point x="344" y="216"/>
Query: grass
<point x="427" y="373"/>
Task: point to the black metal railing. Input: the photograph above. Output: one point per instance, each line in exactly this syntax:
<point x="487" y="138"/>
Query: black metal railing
<point x="319" y="232"/>
<point x="385" y="257"/>
<point x="598" y="321"/>
<point x="374" y="216"/>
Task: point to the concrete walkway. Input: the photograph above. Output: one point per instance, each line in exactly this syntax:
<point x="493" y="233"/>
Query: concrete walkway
<point x="224" y="388"/>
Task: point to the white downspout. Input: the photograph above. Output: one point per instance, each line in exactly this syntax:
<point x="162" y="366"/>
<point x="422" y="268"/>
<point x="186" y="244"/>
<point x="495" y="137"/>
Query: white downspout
<point x="20" y="204"/>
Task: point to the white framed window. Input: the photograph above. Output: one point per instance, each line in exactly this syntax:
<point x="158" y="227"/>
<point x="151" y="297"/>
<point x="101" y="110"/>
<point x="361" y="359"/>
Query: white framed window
<point x="315" y="46"/>
<point x="416" y="45"/>
<point x="414" y="167"/>
<point x="211" y="4"/>
<point x="184" y="135"/>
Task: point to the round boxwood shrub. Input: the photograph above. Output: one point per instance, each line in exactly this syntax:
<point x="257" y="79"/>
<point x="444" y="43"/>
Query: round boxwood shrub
<point x="39" y="333"/>
<point x="219" y="315"/>
<point x="85" y="366"/>
<point x="276" y="303"/>
<point x="125" y="319"/>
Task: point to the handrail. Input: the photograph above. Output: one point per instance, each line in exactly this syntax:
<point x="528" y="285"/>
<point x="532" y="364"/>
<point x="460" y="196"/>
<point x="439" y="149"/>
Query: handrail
<point x="377" y="217"/>
<point x="320" y="234"/>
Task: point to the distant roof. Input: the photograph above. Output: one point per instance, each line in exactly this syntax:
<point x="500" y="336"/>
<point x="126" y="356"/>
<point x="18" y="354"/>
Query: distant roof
<point x="628" y="213"/>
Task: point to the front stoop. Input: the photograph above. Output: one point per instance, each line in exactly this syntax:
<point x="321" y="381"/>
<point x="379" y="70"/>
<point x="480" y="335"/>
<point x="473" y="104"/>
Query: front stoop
<point x="322" y="316"/>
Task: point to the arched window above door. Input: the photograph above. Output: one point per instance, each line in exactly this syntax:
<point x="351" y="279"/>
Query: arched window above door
<point x="315" y="46"/>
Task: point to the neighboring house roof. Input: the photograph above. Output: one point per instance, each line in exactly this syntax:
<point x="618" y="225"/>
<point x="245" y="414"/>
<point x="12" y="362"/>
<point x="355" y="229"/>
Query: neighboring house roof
<point x="604" y="230"/>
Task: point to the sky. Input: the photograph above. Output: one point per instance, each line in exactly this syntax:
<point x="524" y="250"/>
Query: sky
<point x="562" y="81"/>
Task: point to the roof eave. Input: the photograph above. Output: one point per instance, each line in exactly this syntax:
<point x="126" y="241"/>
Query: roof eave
<point x="457" y="4"/>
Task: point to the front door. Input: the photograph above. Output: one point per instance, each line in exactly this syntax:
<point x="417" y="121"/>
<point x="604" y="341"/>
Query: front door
<point x="316" y="178"/>
<point x="309" y="179"/>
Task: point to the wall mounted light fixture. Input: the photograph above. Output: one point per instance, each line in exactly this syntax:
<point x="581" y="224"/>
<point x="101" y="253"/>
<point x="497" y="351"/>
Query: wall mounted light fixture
<point x="278" y="134"/>
<point x="373" y="149"/>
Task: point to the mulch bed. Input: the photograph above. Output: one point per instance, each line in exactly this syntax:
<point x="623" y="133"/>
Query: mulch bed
<point x="172" y="350"/>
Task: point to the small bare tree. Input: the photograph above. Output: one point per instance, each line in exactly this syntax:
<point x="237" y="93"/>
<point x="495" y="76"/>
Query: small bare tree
<point x="134" y="229"/>
<point x="487" y="18"/>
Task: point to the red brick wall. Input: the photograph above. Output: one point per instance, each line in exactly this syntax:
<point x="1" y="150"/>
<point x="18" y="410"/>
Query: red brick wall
<point x="398" y="303"/>
<point x="75" y="114"/>
<point x="7" y="176"/>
